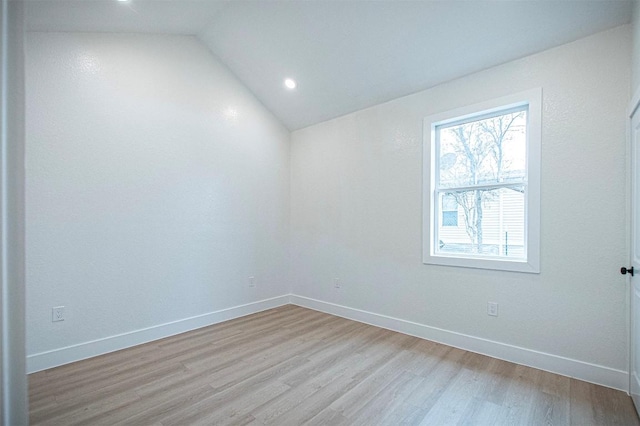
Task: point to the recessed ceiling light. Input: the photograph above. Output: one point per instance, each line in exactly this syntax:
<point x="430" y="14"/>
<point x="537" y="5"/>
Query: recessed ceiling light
<point x="230" y="113"/>
<point x="290" y="83"/>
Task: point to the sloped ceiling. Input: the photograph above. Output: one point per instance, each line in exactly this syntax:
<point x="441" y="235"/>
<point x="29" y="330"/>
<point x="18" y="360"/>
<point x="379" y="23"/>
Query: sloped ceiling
<point x="345" y="55"/>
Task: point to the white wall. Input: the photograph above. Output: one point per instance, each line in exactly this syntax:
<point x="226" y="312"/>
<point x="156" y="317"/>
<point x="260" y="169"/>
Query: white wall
<point x="356" y="215"/>
<point x="13" y="382"/>
<point x="156" y="185"/>
<point x="635" y="64"/>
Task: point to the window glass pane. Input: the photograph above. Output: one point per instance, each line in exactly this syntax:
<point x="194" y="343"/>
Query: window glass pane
<point x="449" y="210"/>
<point x="449" y="202"/>
<point x="450" y="218"/>
<point x="483" y="152"/>
<point x="491" y="223"/>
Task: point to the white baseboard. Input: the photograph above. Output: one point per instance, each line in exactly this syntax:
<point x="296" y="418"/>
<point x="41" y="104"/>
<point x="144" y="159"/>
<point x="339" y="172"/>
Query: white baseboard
<point x="66" y="355"/>
<point x="605" y="376"/>
<point x="616" y="379"/>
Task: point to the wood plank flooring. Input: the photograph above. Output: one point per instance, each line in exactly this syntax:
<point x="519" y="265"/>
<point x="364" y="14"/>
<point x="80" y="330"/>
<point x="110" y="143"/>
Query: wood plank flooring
<point x="292" y="366"/>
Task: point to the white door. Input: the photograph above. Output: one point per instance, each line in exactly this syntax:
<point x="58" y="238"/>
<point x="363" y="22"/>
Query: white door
<point x="634" y="274"/>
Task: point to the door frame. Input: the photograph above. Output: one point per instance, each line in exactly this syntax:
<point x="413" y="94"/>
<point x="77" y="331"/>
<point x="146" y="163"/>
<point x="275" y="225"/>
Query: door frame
<point x="632" y="109"/>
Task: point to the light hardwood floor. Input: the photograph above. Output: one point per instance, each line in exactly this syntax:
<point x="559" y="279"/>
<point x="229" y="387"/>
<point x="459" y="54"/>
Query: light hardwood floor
<point x="290" y="366"/>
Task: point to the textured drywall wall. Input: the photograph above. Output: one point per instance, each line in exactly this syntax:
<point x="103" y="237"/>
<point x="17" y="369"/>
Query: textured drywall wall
<point x="356" y="210"/>
<point x="635" y="53"/>
<point x="156" y="186"/>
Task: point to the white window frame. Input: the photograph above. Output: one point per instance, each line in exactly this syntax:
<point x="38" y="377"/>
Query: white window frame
<point x="532" y="98"/>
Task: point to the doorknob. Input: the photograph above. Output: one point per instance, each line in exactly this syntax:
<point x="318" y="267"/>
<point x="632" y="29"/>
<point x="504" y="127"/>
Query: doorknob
<point x="624" y="271"/>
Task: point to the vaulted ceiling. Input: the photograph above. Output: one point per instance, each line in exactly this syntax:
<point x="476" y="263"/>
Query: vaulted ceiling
<point x="345" y="55"/>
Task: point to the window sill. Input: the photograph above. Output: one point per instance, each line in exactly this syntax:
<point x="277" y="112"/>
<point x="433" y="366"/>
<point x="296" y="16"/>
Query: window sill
<point x="461" y="261"/>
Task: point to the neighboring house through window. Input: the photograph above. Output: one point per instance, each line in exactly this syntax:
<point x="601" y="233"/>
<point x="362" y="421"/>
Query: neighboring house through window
<point x="482" y="185"/>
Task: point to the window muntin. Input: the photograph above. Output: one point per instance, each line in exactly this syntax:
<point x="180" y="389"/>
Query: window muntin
<point x="484" y="159"/>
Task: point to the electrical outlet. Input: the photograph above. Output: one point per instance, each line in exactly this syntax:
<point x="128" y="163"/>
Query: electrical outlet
<point x="337" y="283"/>
<point x="252" y="282"/>
<point x="57" y="314"/>
<point x="492" y="309"/>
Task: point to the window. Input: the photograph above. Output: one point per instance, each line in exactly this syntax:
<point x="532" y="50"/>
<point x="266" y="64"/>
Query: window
<point x="482" y="185"/>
